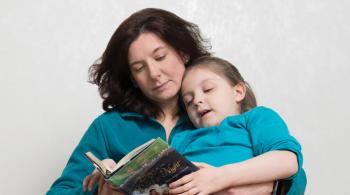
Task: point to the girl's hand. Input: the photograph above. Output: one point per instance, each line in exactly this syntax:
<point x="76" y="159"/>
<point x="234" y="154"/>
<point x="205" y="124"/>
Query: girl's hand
<point x="96" y="176"/>
<point x="206" y="180"/>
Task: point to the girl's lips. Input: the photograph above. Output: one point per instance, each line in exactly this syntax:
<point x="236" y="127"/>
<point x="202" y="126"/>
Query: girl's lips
<point x="201" y="114"/>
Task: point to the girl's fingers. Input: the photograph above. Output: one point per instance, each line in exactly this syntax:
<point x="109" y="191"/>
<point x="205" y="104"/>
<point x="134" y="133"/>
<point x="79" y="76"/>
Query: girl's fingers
<point x="188" y="187"/>
<point x="193" y="191"/>
<point x="185" y="179"/>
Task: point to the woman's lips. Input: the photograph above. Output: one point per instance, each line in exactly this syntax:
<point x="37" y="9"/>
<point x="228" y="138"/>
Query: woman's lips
<point x="161" y="87"/>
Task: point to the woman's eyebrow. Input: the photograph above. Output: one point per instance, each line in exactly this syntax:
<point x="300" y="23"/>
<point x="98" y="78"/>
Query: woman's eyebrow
<point x="158" y="48"/>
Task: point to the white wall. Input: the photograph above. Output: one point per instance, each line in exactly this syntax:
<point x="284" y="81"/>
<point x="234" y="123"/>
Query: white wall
<point x="294" y="53"/>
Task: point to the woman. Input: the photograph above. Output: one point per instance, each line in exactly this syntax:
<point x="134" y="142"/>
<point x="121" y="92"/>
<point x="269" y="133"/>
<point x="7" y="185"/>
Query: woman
<point x="139" y="78"/>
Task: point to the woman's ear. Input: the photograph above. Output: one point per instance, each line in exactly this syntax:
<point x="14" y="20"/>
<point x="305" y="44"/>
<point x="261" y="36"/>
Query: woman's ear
<point x="240" y="91"/>
<point x="185" y="57"/>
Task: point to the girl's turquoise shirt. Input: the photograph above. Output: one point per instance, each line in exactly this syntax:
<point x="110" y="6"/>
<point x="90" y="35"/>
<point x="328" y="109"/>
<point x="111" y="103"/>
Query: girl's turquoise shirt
<point x="241" y="137"/>
<point x="113" y="135"/>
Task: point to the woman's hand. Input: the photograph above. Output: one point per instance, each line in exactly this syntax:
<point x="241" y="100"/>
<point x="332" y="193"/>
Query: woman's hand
<point x="107" y="189"/>
<point x="206" y="180"/>
<point x="96" y="176"/>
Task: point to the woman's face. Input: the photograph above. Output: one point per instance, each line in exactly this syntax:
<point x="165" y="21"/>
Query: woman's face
<point x="156" y="68"/>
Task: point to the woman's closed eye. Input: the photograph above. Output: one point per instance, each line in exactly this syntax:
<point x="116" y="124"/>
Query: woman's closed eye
<point x="138" y="67"/>
<point x="160" y="58"/>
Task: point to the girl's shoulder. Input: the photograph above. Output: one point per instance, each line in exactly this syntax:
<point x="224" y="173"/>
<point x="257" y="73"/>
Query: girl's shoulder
<point x="259" y="110"/>
<point x="255" y="114"/>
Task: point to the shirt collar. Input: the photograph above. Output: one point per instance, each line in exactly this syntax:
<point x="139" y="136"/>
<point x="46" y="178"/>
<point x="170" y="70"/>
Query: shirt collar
<point x="182" y="119"/>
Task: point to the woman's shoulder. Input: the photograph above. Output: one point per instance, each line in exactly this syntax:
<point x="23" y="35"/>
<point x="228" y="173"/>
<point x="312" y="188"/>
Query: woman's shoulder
<point x="108" y="115"/>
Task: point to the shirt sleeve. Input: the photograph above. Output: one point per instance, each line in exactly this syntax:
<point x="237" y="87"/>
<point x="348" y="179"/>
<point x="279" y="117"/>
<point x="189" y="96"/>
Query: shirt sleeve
<point x="269" y="132"/>
<point x="78" y="167"/>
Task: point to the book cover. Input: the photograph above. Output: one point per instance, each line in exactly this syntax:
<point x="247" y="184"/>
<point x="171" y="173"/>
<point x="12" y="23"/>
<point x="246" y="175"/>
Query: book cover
<point x="147" y="169"/>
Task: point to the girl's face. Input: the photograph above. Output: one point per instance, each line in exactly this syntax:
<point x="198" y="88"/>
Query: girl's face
<point x="209" y="98"/>
<point x="156" y="68"/>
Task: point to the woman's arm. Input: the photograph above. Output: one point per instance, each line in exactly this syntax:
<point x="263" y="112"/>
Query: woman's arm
<point x="71" y="180"/>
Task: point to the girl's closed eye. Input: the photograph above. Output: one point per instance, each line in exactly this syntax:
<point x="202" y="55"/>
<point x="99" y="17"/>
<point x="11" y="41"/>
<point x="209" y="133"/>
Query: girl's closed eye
<point x="188" y="101"/>
<point x="208" y="87"/>
<point x="207" y="90"/>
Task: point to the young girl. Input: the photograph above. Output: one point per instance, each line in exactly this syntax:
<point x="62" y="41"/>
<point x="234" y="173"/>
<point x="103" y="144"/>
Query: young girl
<point x="245" y="144"/>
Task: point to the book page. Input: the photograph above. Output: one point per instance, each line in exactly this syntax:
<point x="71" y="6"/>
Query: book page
<point x="105" y="171"/>
<point x="132" y="154"/>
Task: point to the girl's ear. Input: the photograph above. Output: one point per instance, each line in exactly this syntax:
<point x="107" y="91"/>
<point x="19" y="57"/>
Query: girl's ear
<point x="240" y="91"/>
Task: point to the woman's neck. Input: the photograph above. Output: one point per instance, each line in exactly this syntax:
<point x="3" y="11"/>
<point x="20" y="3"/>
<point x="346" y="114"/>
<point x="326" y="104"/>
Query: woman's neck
<point x="169" y="116"/>
<point x="170" y="111"/>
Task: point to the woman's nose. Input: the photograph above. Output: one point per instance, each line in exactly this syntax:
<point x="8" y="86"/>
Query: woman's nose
<point x="154" y="70"/>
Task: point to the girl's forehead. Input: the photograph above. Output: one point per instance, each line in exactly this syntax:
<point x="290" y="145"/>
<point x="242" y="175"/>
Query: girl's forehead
<point x="203" y="69"/>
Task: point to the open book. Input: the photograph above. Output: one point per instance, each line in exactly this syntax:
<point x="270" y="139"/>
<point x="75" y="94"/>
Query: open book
<point x="151" y="166"/>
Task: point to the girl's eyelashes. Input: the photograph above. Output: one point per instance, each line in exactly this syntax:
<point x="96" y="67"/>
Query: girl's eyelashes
<point x="187" y="101"/>
<point x="207" y="90"/>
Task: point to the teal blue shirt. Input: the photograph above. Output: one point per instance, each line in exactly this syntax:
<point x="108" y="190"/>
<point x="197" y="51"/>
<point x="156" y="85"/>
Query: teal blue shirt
<point x="238" y="138"/>
<point x="111" y="135"/>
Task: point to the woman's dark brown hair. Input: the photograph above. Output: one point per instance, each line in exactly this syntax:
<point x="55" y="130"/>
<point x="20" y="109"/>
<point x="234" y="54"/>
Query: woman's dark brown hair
<point x="111" y="73"/>
<point x="230" y="73"/>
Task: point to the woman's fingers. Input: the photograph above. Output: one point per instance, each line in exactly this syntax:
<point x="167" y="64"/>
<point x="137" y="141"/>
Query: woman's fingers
<point x="101" y="183"/>
<point x="86" y="181"/>
<point x="88" y="178"/>
<point x="93" y="179"/>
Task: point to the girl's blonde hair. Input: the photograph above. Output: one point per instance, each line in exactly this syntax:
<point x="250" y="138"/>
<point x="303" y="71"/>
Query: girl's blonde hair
<point x="230" y="73"/>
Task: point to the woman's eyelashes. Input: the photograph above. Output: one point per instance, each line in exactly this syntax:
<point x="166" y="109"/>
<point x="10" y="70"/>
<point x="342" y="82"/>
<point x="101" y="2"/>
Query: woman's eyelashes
<point x="138" y="67"/>
<point x="160" y="57"/>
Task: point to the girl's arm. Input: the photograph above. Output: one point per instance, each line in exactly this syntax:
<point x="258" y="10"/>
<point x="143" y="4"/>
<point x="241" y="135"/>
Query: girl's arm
<point x="266" y="167"/>
<point x="269" y="166"/>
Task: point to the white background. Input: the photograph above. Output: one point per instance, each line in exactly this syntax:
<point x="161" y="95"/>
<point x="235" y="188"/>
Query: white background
<point x="294" y="53"/>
